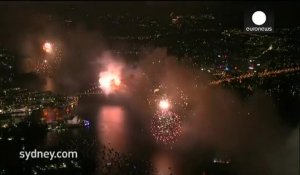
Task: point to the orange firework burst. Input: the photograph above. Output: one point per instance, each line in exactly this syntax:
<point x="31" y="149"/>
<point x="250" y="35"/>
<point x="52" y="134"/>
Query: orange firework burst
<point x="109" y="82"/>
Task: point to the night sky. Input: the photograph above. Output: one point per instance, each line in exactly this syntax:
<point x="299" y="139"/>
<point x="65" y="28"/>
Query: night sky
<point x="26" y="25"/>
<point x="25" y="18"/>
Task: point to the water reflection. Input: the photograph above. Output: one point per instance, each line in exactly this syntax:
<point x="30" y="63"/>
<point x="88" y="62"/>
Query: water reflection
<point x="51" y="114"/>
<point x="51" y="139"/>
<point x="112" y="127"/>
<point x="164" y="163"/>
<point x="49" y="86"/>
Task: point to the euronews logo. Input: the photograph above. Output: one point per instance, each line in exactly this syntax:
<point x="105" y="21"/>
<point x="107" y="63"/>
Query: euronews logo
<point x="259" y="21"/>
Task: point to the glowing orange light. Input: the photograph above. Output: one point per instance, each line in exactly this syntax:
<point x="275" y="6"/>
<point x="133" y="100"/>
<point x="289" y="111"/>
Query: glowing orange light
<point x="164" y="104"/>
<point x="109" y="82"/>
<point x="48" y="47"/>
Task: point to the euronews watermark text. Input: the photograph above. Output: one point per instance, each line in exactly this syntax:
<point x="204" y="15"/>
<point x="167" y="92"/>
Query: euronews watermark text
<point x="259" y="21"/>
<point x="35" y="154"/>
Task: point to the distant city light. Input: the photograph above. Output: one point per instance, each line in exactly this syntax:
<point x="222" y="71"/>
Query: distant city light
<point x="86" y="123"/>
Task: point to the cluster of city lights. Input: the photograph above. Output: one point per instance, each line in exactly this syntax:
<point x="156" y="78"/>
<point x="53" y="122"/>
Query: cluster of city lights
<point x="259" y="74"/>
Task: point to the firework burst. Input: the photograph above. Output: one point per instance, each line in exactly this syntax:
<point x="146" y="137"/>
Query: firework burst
<point x="47" y="64"/>
<point x="164" y="97"/>
<point x="170" y="104"/>
<point x="48" y="47"/>
<point x="164" y="104"/>
<point x="109" y="81"/>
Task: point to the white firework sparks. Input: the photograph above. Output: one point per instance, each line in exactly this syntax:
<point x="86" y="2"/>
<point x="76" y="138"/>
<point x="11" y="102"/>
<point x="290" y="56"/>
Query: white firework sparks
<point x="166" y="127"/>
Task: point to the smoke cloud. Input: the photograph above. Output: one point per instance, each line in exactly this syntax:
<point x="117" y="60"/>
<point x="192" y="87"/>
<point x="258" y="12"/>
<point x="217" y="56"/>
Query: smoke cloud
<point x="250" y="131"/>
